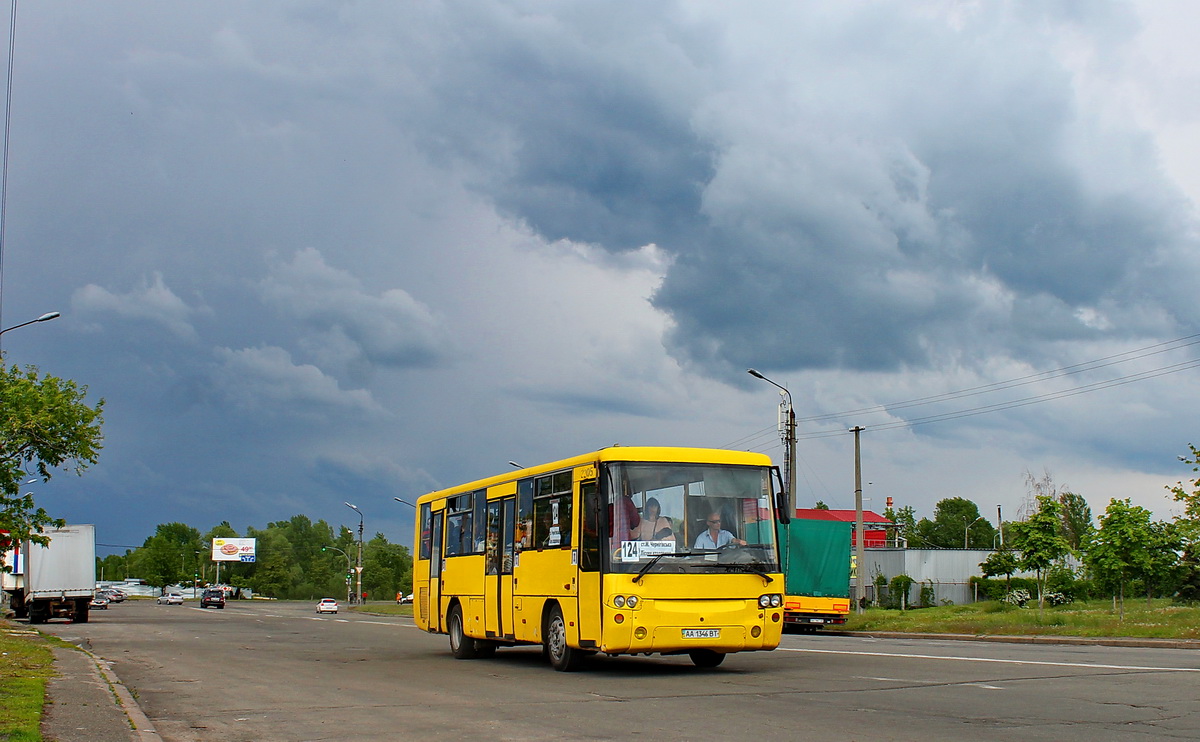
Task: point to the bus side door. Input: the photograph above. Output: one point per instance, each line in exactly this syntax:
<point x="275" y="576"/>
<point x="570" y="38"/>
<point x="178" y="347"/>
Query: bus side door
<point x="436" y="562"/>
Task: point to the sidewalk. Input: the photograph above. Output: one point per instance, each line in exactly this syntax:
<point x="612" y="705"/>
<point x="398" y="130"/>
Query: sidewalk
<point x="86" y="701"/>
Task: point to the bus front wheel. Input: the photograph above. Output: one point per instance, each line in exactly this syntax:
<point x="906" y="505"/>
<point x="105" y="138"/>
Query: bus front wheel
<point x="563" y="657"/>
<point x="706" y="658"/>
<point x="461" y="645"/>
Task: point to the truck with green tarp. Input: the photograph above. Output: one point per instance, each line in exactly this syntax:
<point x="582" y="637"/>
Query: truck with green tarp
<point x="816" y="568"/>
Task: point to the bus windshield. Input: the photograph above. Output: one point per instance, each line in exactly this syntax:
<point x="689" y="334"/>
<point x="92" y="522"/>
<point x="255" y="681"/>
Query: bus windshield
<point x="689" y="518"/>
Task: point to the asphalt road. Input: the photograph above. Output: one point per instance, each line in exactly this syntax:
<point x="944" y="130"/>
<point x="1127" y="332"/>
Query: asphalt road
<point x="277" y="671"/>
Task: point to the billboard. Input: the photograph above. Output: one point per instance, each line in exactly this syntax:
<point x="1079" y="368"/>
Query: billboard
<point x="233" y="549"/>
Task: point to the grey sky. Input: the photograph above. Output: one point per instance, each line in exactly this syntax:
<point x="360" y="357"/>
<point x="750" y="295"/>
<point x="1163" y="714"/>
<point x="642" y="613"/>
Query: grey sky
<point x="312" y="252"/>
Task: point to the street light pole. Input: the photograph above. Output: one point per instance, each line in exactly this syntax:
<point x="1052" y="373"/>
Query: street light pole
<point x="789" y="442"/>
<point x="334" y="548"/>
<point x="860" y="559"/>
<point x="358" y="565"/>
<point x="44" y="318"/>
<point x="967" y="530"/>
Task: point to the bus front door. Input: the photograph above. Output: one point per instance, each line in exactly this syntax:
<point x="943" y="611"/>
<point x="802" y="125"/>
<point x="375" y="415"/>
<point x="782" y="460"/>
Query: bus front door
<point x="498" y="584"/>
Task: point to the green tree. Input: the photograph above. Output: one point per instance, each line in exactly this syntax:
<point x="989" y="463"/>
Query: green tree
<point x="1039" y="540"/>
<point x="1188" y="522"/>
<point x="820" y="505"/>
<point x="956" y="519"/>
<point x="1001" y="562"/>
<point x="906" y="524"/>
<point x="1077" y="525"/>
<point x="1119" y="549"/>
<point x="168" y="557"/>
<point x="46" y="425"/>
<point x="387" y="568"/>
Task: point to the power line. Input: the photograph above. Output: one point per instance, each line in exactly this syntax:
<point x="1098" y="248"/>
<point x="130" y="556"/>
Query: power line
<point x="1064" y="371"/>
<point x="1077" y="368"/>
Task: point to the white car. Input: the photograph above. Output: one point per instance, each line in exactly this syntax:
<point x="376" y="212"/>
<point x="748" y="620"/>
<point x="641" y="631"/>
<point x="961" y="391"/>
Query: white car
<point x="171" y="599"/>
<point x="327" y="605"/>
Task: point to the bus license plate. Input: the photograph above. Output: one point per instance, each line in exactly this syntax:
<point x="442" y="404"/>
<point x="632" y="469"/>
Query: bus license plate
<point x="701" y="633"/>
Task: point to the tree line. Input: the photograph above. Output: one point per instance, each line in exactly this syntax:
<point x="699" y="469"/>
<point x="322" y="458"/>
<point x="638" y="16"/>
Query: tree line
<point x="296" y="559"/>
<point x="1125" y="552"/>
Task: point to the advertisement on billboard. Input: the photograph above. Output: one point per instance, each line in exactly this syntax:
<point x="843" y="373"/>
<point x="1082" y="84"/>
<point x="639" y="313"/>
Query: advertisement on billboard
<point x="233" y="549"/>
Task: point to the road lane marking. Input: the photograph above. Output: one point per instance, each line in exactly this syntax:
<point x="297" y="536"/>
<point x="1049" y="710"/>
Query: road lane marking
<point x="991" y="659"/>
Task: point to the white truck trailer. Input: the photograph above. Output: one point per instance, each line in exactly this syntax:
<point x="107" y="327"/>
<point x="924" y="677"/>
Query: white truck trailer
<point x="55" y="581"/>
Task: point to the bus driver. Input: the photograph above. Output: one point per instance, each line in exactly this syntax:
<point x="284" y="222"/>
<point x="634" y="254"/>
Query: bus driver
<point x="716" y="537"/>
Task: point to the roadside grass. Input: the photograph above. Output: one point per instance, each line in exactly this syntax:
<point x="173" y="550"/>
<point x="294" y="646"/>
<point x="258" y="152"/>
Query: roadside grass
<point x="383" y="609"/>
<point x="26" y="663"/>
<point x="1159" y="620"/>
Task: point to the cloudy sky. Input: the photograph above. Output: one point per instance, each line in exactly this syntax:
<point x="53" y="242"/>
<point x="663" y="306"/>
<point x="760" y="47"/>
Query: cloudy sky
<point x="312" y="252"/>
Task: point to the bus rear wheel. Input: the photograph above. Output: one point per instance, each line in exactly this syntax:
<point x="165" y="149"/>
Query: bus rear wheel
<point x="563" y="657"/>
<point x="461" y="645"/>
<point x="706" y="658"/>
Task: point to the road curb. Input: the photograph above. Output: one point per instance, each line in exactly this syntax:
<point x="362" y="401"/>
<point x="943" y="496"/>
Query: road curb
<point x="1034" y="639"/>
<point x="143" y="729"/>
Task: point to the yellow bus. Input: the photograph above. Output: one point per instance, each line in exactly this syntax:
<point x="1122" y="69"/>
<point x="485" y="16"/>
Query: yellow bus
<point x="624" y="551"/>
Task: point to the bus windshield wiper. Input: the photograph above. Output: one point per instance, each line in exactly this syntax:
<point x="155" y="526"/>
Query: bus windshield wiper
<point x="653" y="561"/>
<point x="753" y="567"/>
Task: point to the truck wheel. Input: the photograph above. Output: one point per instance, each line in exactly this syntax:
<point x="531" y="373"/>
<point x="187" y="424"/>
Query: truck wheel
<point x="81" y="610"/>
<point x="36" y="615"/>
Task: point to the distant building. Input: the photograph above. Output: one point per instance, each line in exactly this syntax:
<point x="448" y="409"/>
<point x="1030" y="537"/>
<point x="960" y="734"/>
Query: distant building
<point x="875" y="526"/>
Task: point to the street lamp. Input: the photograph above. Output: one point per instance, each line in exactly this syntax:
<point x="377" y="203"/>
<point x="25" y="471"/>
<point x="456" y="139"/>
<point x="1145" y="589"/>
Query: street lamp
<point x="334" y="548"/>
<point x="406" y="502"/>
<point x="44" y="318"/>
<point x="967" y="530"/>
<point x="358" y="565"/>
<point x="789" y="442"/>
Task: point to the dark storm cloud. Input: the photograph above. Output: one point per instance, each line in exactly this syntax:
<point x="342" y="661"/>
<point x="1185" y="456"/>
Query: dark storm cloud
<point x="923" y="181"/>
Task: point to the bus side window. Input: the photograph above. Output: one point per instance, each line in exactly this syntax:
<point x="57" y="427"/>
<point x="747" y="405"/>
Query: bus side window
<point x="426" y="519"/>
<point x="552" y="511"/>
<point x="524" y="531"/>
<point x="492" y="553"/>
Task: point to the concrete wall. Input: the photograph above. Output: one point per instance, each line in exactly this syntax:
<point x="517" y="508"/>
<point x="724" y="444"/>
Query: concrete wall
<point x="949" y="571"/>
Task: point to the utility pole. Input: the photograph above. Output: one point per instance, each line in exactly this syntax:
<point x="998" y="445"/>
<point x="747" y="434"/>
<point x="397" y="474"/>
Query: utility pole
<point x="860" y="590"/>
<point x="787" y="424"/>
<point x="358" y="565"/>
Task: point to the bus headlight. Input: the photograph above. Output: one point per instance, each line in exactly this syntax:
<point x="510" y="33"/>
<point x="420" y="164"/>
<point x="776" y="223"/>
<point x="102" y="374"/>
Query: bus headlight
<point x="770" y="600"/>
<point x="619" y="601"/>
<point x="632" y="601"/>
<point x="776" y="601"/>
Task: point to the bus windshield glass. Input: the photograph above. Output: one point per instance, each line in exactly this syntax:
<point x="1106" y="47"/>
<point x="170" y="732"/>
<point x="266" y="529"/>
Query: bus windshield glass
<point x="690" y="518"/>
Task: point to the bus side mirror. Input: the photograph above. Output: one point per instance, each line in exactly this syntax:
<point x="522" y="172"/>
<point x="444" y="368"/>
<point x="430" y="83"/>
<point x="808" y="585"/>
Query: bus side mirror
<point x="781" y="498"/>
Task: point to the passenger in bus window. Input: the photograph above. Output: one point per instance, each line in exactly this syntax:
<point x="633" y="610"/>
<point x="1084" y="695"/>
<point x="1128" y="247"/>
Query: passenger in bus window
<point x="716" y="537"/>
<point x="653" y="526"/>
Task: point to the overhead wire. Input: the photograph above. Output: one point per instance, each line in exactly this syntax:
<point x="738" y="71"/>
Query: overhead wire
<point x="1061" y="372"/>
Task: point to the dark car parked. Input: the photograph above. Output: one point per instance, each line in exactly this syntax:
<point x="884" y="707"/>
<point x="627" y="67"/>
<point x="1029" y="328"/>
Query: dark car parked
<point x="214" y="597"/>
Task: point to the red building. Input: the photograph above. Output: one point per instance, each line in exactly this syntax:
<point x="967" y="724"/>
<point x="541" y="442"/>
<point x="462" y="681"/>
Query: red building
<point x="875" y="526"/>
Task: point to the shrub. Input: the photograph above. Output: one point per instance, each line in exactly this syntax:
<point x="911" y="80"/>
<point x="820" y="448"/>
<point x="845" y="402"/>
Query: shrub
<point x="1019" y="598"/>
<point x="898" y="591"/>
<point x="928" y="598"/>
<point x="1058" y="598"/>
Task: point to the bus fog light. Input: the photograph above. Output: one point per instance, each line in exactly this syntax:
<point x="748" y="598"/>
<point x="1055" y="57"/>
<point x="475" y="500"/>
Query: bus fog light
<point x="619" y="601"/>
<point x="632" y="602"/>
<point x="755" y="631"/>
<point x="640" y="632"/>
